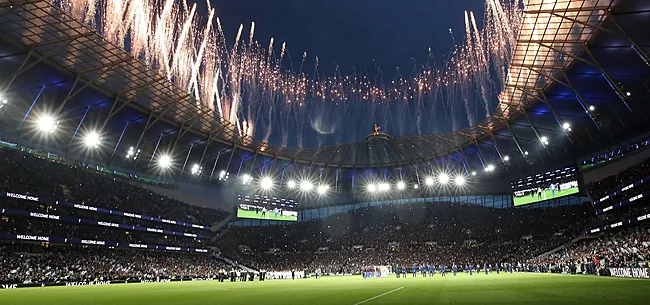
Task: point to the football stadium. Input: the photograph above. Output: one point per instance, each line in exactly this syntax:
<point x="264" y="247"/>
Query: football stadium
<point x="324" y="152"/>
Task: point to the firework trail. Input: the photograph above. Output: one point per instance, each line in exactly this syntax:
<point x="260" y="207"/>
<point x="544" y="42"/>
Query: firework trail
<point x="247" y="86"/>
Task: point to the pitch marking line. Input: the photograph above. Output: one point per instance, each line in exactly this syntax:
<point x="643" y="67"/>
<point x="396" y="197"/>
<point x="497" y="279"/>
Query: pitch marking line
<point x="379" y="296"/>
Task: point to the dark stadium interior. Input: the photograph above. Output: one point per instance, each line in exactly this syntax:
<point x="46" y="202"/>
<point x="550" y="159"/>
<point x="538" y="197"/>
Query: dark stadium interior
<point x="155" y="196"/>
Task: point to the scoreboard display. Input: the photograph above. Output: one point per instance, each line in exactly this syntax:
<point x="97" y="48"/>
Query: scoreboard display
<point x="544" y="186"/>
<point x="266" y="207"/>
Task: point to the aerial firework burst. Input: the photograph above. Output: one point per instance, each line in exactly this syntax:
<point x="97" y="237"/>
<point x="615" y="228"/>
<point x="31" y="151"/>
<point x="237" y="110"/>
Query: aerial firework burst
<point x="248" y="85"/>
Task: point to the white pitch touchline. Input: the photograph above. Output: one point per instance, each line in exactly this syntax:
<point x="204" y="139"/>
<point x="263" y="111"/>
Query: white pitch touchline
<point x="379" y="296"/>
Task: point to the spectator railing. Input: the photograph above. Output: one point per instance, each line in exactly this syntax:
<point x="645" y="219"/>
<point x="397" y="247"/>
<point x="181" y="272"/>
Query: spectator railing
<point x="100" y="210"/>
<point x="75" y="220"/>
<point x="63" y="240"/>
<point x="622" y="190"/>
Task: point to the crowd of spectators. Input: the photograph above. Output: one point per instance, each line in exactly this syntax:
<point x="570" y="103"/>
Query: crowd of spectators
<point x="31" y="263"/>
<point x="25" y="173"/>
<point x="437" y="233"/>
<point x="610" y="184"/>
<point x="628" y="247"/>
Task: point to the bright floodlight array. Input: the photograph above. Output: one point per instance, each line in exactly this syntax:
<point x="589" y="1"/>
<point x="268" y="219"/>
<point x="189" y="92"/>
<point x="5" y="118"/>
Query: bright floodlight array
<point x="47" y="124"/>
<point x="165" y="161"/>
<point x="132" y="153"/>
<point x="3" y="103"/>
<point x="92" y="139"/>
<point x="266" y="183"/>
<point x="246" y="179"/>
<point x="304" y="186"/>
<point x="196" y="170"/>
<point x="443" y="178"/>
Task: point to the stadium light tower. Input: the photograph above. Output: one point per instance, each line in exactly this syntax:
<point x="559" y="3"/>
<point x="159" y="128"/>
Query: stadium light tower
<point x="489" y="168"/>
<point x="165" y="161"/>
<point x="196" y="169"/>
<point x="291" y="184"/>
<point x="429" y="181"/>
<point x="246" y="179"/>
<point x="266" y="183"/>
<point x="372" y="187"/>
<point x="401" y="185"/>
<point x="459" y="180"/>
<point x="443" y="178"/>
<point x="544" y="140"/>
<point x="47" y="124"/>
<point x="322" y="189"/>
<point x="92" y="139"/>
<point x="305" y="185"/>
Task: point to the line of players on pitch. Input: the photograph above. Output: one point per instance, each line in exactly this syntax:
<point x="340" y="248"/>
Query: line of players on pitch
<point x="431" y="270"/>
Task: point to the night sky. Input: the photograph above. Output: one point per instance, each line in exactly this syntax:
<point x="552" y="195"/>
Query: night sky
<point x="381" y="39"/>
<point x="353" y="33"/>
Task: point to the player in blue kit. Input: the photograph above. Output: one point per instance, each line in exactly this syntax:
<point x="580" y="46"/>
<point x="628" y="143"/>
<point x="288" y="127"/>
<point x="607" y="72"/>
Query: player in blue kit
<point x="443" y="269"/>
<point x="404" y="271"/>
<point x="487" y="268"/>
<point x="454" y="269"/>
<point x="423" y="270"/>
<point x="414" y="270"/>
<point x="470" y="269"/>
<point x="431" y="270"/>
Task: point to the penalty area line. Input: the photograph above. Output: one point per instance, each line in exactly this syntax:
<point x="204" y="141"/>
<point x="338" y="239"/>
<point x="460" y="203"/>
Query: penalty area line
<point x="379" y="296"/>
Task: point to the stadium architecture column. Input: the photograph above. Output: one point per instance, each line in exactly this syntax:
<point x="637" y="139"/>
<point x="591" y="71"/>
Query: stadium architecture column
<point x="30" y="110"/>
<point x="74" y="135"/>
<point x="126" y="125"/>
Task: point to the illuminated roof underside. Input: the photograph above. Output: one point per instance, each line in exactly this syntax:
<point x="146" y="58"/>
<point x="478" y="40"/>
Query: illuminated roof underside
<point x="551" y="33"/>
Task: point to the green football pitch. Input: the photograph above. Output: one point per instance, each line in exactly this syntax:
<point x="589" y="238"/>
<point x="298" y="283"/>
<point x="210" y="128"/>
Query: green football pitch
<point x="546" y="195"/>
<point x="463" y="289"/>
<point x="269" y="215"/>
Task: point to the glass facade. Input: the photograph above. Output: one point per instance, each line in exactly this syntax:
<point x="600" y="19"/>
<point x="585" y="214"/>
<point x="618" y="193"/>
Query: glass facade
<point x="491" y="201"/>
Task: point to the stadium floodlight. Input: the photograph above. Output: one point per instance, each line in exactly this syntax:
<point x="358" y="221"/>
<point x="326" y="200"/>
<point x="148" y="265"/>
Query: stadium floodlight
<point x="165" y="161"/>
<point x="383" y="187"/>
<point x="305" y="185"/>
<point x="489" y="168"/>
<point x="566" y="126"/>
<point x="401" y="185"/>
<point x="592" y="108"/>
<point x="506" y="158"/>
<point x="266" y="183"/>
<point x="459" y="180"/>
<point x="196" y="169"/>
<point x="372" y="187"/>
<point x="544" y="140"/>
<point x="47" y="124"/>
<point x="291" y="184"/>
<point x="443" y="178"/>
<point x="92" y="139"/>
<point x="4" y="101"/>
<point x="322" y="189"/>
<point x="429" y="181"/>
<point x="628" y="93"/>
<point x="473" y="173"/>
<point x="415" y="186"/>
<point x="525" y="153"/>
<point x="246" y="179"/>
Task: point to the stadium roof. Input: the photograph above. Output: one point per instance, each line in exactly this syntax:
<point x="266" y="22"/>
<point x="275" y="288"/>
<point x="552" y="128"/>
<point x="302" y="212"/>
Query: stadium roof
<point x="578" y="62"/>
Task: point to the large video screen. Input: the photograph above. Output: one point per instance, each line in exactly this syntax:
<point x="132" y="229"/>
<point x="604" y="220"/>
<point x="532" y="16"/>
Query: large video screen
<point x="545" y="186"/>
<point x="267" y="207"/>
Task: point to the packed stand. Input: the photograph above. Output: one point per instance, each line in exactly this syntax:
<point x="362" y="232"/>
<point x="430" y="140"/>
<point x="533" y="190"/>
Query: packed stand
<point x="628" y="247"/>
<point x="29" y="174"/>
<point x="437" y="233"/>
<point x="615" y="182"/>
<point x="24" y="263"/>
